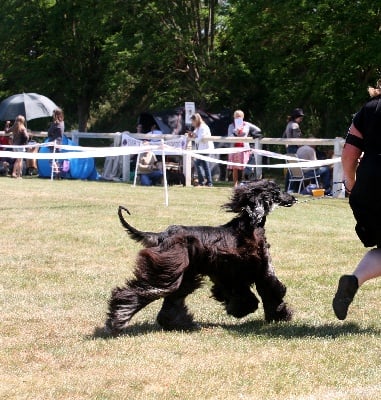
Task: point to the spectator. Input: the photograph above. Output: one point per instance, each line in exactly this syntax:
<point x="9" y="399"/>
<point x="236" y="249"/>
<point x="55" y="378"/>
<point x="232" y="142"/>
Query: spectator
<point x="7" y="130"/>
<point x="155" y="130"/>
<point x="241" y="128"/>
<point x="308" y="153"/>
<point x="201" y="132"/>
<point x="6" y="163"/>
<point x="362" y="181"/>
<point x="20" y="137"/>
<point x="55" y="134"/>
<point x="57" y="127"/>
<point x="148" y="168"/>
<point x="293" y="130"/>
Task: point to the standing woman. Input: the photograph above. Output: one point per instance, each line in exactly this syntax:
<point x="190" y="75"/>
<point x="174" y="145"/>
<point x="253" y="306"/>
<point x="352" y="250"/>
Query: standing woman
<point x="362" y="181"/>
<point x="57" y="127"/>
<point x="201" y="132"/>
<point x="293" y="130"/>
<point x="56" y="132"/>
<point x="20" y="137"/>
<point x="241" y="128"/>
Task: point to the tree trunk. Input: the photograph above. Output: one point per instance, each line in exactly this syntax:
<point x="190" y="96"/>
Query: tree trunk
<point x="83" y="114"/>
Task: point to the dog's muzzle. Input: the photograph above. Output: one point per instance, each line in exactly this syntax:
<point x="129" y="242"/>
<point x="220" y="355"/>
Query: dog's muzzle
<point x="287" y="200"/>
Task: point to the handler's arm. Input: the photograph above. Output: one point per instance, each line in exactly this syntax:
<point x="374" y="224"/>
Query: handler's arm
<point x="350" y="156"/>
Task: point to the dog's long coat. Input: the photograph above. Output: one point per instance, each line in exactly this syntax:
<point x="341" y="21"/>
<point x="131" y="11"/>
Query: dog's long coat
<point x="234" y="256"/>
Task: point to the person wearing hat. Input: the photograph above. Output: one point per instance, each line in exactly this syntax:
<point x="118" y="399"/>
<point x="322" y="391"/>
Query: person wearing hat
<point x="362" y="181"/>
<point x="292" y="130"/>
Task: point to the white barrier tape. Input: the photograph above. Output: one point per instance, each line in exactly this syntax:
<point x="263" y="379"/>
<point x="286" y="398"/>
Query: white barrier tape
<point x="26" y="146"/>
<point x="120" y="151"/>
<point x="233" y="150"/>
<point x="99" y="152"/>
<point x="301" y="164"/>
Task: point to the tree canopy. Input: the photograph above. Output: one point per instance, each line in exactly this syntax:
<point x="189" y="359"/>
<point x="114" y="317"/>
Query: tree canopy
<point x="105" y="61"/>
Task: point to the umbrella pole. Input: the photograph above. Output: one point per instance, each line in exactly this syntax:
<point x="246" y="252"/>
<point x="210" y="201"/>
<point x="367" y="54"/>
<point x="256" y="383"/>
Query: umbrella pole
<point x="164" y="174"/>
<point x="53" y="162"/>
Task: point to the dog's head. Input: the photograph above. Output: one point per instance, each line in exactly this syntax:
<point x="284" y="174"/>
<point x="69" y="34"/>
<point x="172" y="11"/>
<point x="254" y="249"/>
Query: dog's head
<point x="257" y="199"/>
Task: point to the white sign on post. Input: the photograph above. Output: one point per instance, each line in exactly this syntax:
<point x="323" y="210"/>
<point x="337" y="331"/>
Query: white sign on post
<point x="190" y="109"/>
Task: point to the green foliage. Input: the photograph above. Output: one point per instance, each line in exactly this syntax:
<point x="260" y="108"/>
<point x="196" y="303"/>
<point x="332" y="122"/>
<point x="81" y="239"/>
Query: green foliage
<point x="315" y="56"/>
<point x="106" y="61"/>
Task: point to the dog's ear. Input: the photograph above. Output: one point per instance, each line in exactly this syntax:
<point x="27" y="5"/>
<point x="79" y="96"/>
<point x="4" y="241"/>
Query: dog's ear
<point x="260" y="211"/>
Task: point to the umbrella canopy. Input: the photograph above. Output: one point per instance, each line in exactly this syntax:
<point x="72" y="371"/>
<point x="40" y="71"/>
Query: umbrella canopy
<point x="30" y="105"/>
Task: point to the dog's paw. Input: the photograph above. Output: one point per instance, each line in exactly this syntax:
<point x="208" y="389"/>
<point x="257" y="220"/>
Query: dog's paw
<point x="239" y="307"/>
<point x="282" y="313"/>
<point x="110" y="329"/>
<point x="181" y="322"/>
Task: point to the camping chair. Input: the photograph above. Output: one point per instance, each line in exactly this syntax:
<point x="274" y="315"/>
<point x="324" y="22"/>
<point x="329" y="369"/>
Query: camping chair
<point x="129" y="141"/>
<point x="179" y="142"/>
<point x="301" y="175"/>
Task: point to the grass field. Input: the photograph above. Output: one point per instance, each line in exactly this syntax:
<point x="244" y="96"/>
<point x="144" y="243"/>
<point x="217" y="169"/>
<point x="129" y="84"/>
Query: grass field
<point x="63" y="250"/>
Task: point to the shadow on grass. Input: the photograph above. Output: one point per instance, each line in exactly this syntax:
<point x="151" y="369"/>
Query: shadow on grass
<point x="137" y="329"/>
<point x="292" y="330"/>
<point x="258" y="328"/>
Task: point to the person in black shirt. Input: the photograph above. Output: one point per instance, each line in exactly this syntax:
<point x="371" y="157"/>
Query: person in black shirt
<point x="55" y="134"/>
<point x="362" y="180"/>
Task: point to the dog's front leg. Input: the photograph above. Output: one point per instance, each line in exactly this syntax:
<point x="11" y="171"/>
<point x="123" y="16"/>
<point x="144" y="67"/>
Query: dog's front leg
<point x="238" y="299"/>
<point x="271" y="291"/>
<point x="174" y="314"/>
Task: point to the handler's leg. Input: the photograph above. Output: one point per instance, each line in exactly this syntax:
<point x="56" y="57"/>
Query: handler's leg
<point x="368" y="268"/>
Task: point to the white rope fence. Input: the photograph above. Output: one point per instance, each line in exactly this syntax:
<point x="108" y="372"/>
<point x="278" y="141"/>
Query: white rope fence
<point x="101" y="152"/>
<point x="75" y="152"/>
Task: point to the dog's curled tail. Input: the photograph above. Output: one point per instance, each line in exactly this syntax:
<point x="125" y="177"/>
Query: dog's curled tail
<point x="149" y="239"/>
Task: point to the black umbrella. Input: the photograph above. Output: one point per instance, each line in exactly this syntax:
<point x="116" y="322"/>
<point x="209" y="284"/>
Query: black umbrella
<point x="30" y="105"/>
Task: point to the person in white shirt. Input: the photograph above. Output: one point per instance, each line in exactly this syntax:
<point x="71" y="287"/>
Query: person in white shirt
<point x="200" y="133"/>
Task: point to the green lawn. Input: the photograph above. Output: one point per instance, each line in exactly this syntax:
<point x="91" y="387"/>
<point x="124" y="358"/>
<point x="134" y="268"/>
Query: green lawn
<point x="63" y="250"/>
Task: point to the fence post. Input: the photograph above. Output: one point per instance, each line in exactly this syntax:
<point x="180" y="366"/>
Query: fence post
<point x="126" y="160"/>
<point x="338" y="187"/>
<point x="258" y="158"/>
<point x="187" y="165"/>
<point x="75" y="138"/>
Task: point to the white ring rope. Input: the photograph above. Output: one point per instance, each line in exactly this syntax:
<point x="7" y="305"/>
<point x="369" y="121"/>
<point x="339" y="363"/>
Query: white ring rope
<point x="72" y="152"/>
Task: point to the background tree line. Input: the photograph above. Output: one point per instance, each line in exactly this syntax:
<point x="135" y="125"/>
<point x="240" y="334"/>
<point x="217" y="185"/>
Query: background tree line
<point x="105" y="61"/>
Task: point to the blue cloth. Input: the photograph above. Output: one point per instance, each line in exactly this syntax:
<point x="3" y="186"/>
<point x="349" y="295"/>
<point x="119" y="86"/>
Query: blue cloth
<point x="152" y="178"/>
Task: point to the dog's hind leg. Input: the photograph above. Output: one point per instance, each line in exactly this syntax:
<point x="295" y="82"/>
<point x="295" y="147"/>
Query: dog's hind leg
<point x="125" y="302"/>
<point x="158" y="273"/>
<point x="174" y="313"/>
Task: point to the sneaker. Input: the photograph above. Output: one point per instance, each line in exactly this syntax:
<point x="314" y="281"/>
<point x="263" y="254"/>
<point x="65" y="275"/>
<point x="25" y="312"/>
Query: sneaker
<point x="346" y="291"/>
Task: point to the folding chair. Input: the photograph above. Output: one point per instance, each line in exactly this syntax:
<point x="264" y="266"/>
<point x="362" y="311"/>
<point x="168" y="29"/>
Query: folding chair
<point x="301" y="175"/>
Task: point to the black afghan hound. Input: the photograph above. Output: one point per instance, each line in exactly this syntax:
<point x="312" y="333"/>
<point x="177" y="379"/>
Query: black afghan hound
<point x="234" y="256"/>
